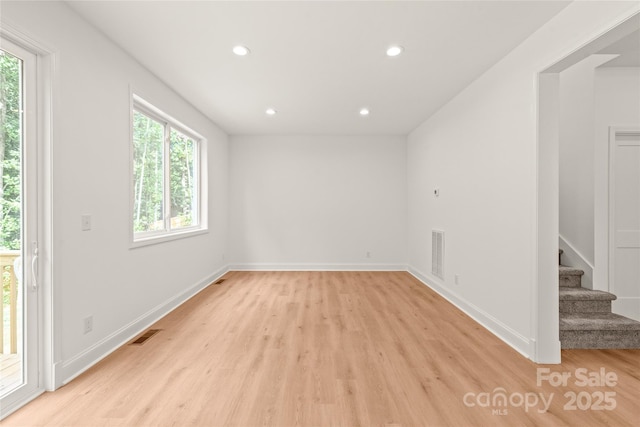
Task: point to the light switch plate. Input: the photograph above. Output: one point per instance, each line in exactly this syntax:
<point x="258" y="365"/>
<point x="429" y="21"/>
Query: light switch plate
<point x="86" y="222"/>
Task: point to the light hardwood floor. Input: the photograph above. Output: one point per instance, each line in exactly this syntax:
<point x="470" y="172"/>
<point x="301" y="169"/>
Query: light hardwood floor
<point x="329" y="349"/>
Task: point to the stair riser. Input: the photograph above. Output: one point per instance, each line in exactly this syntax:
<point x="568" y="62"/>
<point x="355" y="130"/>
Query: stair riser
<point x="600" y="339"/>
<point x="585" y="306"/>
<point x="570" y="281"/>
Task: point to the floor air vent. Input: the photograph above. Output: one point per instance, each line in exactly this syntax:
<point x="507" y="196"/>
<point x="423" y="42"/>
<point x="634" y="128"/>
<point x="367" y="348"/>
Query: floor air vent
<point x="219" y="282"/>
<point x="144" y="337"/>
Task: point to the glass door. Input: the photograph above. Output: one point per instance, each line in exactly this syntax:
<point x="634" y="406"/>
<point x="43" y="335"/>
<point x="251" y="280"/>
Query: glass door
<point x="19" y="354"/>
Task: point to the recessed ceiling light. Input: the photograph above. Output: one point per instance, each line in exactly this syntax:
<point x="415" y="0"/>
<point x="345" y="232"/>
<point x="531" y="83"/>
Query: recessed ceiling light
<point x="394" y="50"/>
<point x="270" y="112"/>
<point x="241" y="50"/>
<point x="364" y="111"/>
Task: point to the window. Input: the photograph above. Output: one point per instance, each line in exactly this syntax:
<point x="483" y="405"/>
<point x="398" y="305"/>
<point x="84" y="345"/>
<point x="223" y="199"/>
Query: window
<point x="166" y="176"/>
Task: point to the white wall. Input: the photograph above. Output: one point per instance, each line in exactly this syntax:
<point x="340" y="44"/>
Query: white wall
<point x="310" y="200"/>
<point x="480" y="150"/>
<point x="592" y="98"/>
<point x="316" y="202"/>
<point x="617" y="103"/>
<point x="576" y="158"/>
<point x="96" y="273"/>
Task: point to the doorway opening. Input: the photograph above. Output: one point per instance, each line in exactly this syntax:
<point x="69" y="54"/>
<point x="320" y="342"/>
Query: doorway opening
<point x="548" y="211"/>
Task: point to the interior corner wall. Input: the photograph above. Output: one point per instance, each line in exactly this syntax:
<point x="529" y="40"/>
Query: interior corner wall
<point x="96" y="273"/>
<point x="318" y="202"/>
<point x="480" y="151"/>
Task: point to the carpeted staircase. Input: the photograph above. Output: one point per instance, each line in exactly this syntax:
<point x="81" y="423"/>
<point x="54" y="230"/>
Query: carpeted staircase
<point x="586" y="320"/>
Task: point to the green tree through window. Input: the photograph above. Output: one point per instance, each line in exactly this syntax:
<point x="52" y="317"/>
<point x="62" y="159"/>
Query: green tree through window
<point x="148" y="171"/>
<point x="165" y="176"/>
<point x="181" y="154"/>
<point x="10" y="151"/>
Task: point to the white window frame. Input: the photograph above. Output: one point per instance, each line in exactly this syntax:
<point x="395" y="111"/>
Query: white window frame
<point x="145" y="238"/>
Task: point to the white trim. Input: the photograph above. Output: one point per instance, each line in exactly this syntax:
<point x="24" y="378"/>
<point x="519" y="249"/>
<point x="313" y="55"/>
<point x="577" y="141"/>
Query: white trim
<point x="611" y="210"/>
<point x="78" y="364"/>
<point x="544" y="281"/>
<point x="544" y="305"/>
<point x="72" y="368"/>
<point x="572" y="248"/>
<point x="614" y="131"/>
<point x="139" y="239"/>
<point x="617" y="29"/>
<point x="12" y="406"/>
<point x="316" y="267"/>
<point x="574" y="258"/>
<point x="167" y="237"/>
<point x="44" y="88"/>
<point x="159" y="115"/>
<point x="29" y="293"/>
<point x="49" y="333"/>
<point x="518" y="342"/>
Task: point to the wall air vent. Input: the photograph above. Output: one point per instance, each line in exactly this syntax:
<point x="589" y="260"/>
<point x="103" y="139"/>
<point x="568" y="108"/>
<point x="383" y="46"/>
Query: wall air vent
<point x="437" y="253"/>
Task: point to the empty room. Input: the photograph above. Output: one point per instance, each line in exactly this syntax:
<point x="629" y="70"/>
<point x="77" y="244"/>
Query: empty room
<point x="320" y="213"/>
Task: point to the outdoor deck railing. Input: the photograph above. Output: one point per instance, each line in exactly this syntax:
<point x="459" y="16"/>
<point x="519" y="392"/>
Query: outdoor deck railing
<point x="9" y="299"/>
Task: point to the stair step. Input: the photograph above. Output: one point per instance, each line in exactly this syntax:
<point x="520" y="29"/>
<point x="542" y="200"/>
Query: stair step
<point x="582" y="300"/>
<point x="584" y="294"/>
<point x="570" y="271"/>
<point x="570" y="277"/>
<point x="599" y="330"/>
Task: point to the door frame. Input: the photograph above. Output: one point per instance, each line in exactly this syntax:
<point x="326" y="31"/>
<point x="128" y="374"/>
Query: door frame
<point x="614" y="131"/>
<point x="47" y="327"/>
<point x="27" y="304"/>
<point x="544" y="292"/>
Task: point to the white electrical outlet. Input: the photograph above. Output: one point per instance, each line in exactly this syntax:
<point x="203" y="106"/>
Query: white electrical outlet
<point x="368" y="254"/>
<point x="456" y="279"/>
<point x="88" y="324"/>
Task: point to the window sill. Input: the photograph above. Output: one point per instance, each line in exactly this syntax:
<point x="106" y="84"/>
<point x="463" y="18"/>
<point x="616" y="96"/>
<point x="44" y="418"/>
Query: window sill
<point x="153" y="240"/>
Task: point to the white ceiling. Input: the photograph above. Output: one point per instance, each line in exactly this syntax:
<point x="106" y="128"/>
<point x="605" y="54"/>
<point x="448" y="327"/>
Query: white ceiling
<point x="317" y="63"/>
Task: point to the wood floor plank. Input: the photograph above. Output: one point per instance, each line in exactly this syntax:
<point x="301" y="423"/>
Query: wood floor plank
<point x="328" y="349"/>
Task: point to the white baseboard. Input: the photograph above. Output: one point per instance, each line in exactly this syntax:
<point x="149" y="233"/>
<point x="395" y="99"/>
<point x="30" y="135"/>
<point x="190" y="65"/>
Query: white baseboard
<point x="551" y="355"/>
<point x="57" y="376"/>
<point x="70" y="369"/>
<point x="518" y="342"/>
<point x="573" y="258"/>
<point x="316" y="267"/>
<point x="67" y="370"/>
